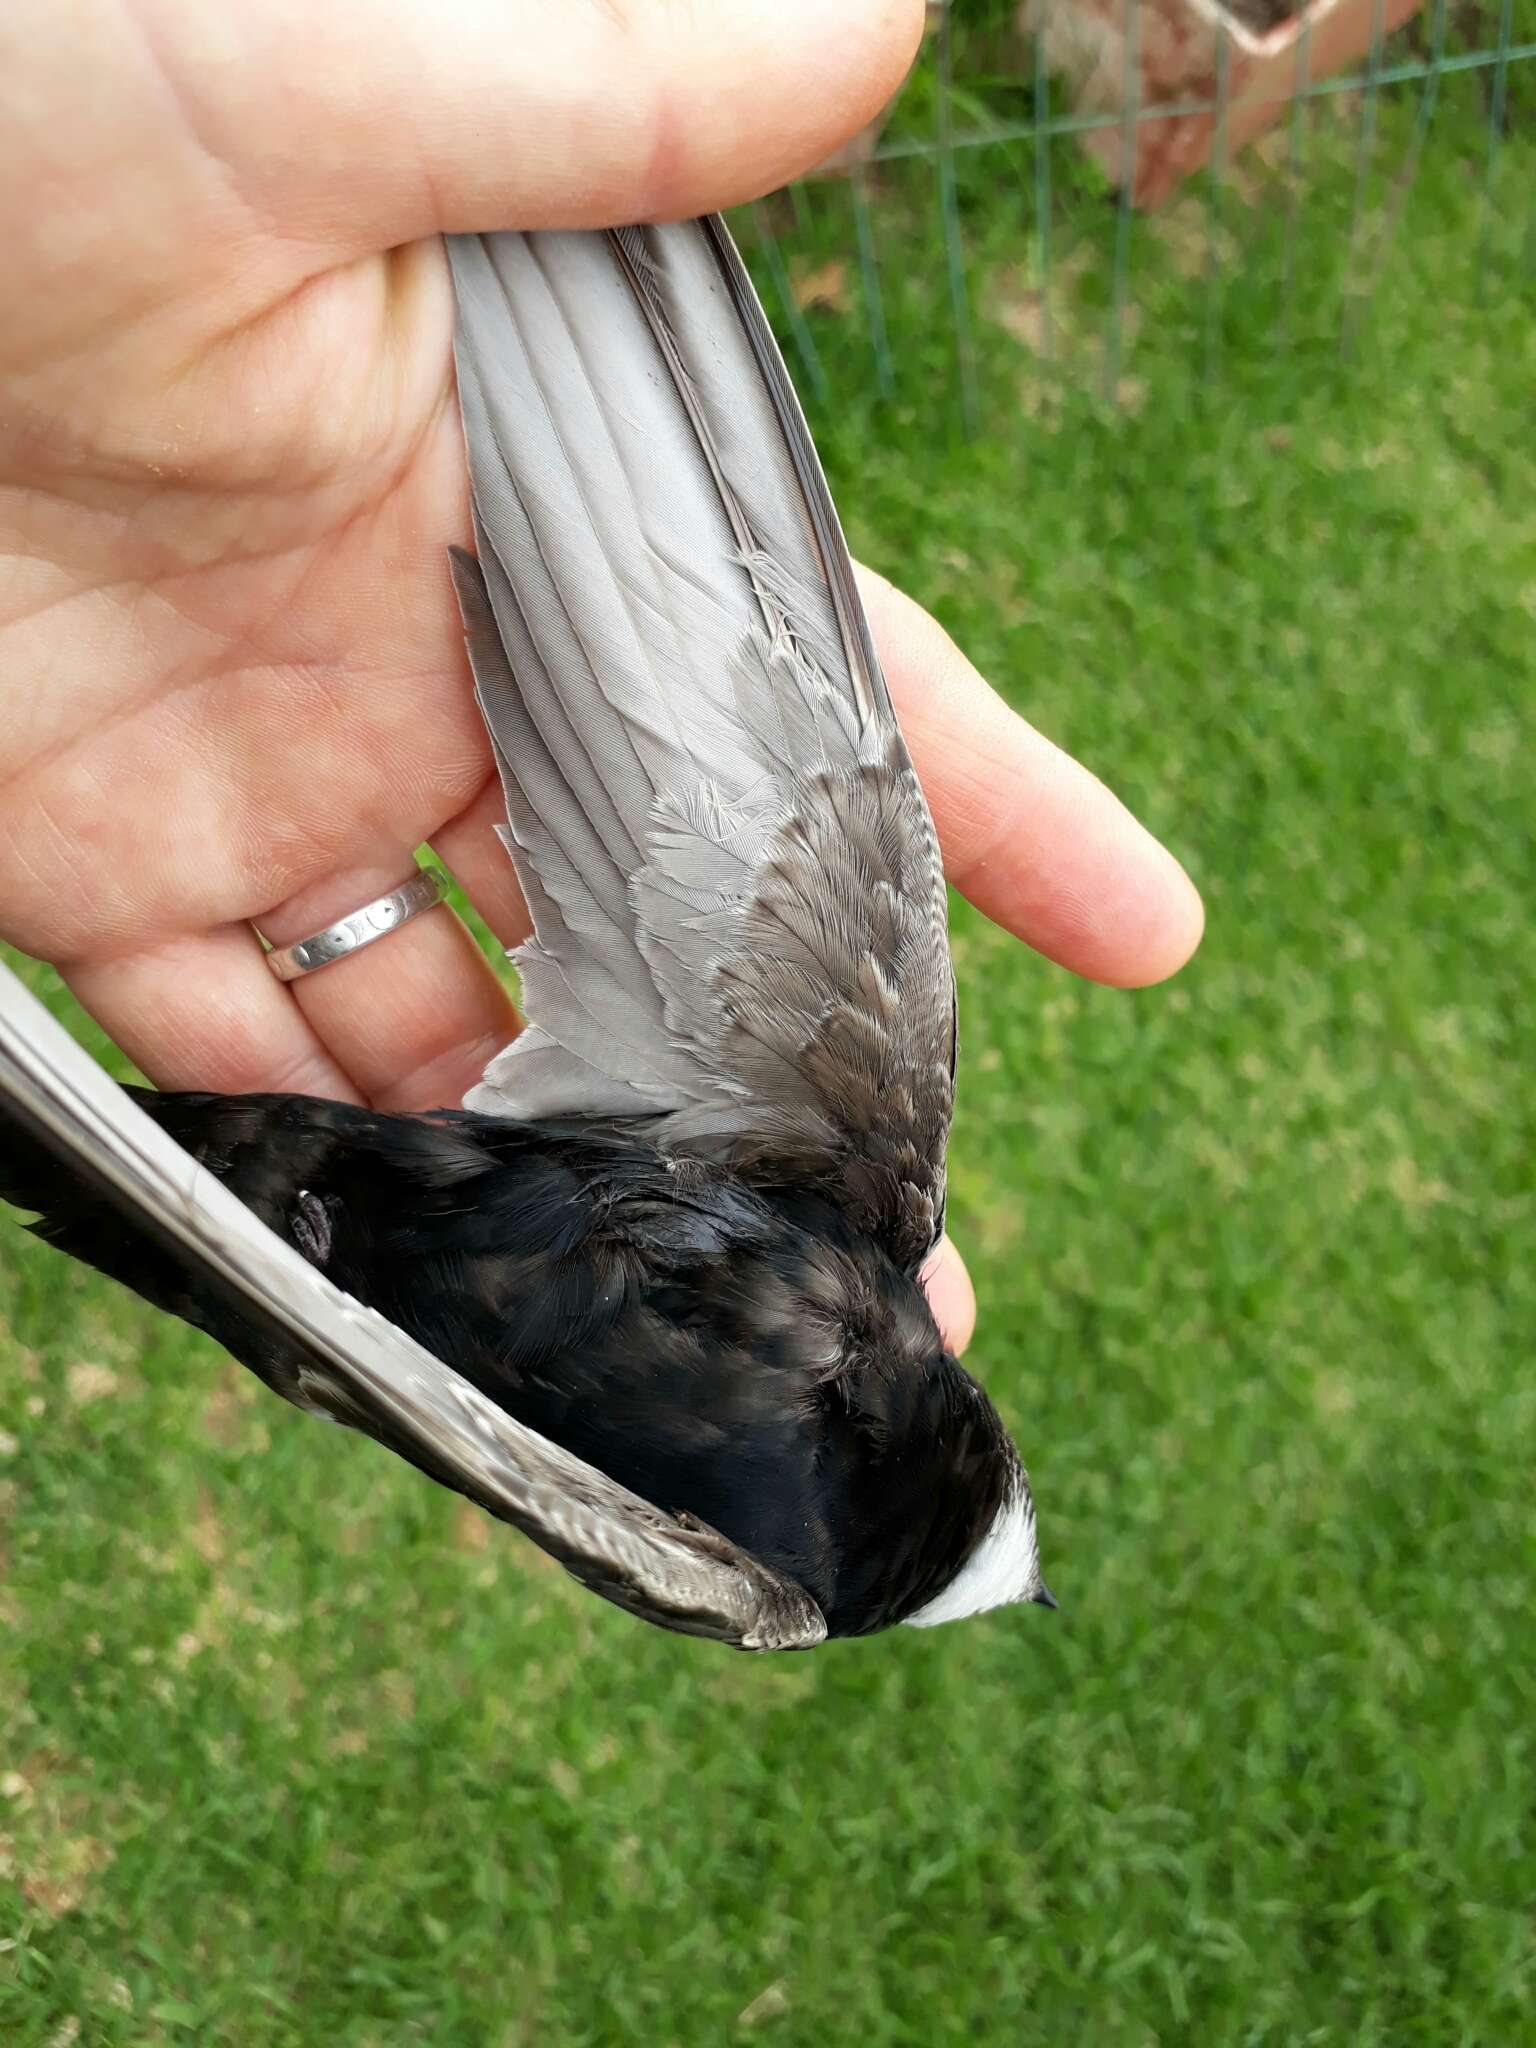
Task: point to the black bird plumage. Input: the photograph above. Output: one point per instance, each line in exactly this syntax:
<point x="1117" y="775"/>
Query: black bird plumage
<point x="679" y="1230"/>
<point x="742" y="1354"/>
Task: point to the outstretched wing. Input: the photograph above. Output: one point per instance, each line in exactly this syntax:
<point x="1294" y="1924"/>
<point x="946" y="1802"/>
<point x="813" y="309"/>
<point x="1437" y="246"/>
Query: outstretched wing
<point x="738" y="906"/>
<point x="61" y="1113"/>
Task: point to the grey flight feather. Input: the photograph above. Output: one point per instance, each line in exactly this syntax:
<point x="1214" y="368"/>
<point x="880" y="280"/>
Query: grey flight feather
<point x="737" y="899"/>
<point x="341" y="1359"/>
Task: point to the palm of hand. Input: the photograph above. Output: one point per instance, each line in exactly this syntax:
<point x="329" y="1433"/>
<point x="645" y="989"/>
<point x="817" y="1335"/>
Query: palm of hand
<point x="238" y="632"/>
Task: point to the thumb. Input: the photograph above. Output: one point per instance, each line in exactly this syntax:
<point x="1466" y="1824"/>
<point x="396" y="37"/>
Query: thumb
<point x="364" y="125"/>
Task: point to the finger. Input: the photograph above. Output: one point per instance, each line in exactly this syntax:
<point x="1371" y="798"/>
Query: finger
<point x="205" y="1012"/>
<point x="1034" y="840"/>
<point x="469" y="847"/>
<point x="412" y="1019"/>
<point x="406" y="120"/>
<point x="950" y="1296"/>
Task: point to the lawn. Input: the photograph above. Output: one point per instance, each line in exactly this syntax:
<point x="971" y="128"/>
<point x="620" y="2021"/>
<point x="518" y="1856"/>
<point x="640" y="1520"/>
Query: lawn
<point x="297" y="1750"/>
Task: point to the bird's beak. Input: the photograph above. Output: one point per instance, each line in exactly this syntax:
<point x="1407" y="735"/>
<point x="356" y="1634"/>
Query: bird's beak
<point x="1045" y="1597"/>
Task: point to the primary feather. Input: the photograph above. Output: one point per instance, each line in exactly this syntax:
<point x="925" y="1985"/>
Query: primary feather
<point x="737" y="900"/>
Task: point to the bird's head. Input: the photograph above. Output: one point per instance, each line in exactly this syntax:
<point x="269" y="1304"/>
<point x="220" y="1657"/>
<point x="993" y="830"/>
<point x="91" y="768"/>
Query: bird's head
<point x="892" y="1490"/>
<point x="1004" y="1567"/>
<point x="943" y="1519"/>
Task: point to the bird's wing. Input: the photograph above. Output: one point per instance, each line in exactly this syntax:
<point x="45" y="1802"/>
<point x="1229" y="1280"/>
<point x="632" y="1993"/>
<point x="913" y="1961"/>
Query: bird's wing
<point x="354" y="1366"/>
<point x="738" y="905"/>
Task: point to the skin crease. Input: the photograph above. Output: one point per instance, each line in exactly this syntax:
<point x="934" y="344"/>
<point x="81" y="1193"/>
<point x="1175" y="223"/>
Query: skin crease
<point x="231" y="677"/>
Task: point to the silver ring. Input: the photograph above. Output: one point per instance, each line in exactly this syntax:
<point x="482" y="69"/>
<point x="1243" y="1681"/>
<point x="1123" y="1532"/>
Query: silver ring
<point x="376" y="920"/>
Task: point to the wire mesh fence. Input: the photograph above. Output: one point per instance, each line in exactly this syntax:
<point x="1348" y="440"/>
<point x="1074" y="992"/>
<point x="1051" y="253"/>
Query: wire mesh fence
<point x="1061" y="181"/>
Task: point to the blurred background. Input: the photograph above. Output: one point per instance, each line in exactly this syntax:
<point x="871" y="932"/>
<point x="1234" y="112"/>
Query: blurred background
<point x="1215" y="449"/>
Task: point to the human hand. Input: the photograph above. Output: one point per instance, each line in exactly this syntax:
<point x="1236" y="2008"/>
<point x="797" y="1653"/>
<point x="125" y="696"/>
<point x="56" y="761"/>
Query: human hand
<point x="231" y="679"/>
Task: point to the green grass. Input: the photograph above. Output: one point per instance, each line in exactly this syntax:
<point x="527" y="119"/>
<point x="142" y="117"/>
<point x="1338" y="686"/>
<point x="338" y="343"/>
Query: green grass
<point x="298" y="1751"/>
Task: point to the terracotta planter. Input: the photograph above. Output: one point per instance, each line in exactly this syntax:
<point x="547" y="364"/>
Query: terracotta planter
<point x="1178" y="60"/>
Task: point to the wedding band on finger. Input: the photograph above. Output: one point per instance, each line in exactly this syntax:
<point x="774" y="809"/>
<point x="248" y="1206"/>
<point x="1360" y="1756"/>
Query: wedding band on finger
<point x="376" y="920"/>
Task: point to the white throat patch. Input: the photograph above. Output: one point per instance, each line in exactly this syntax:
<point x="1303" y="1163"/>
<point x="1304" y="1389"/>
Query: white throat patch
<point x="1004" y="1567"/>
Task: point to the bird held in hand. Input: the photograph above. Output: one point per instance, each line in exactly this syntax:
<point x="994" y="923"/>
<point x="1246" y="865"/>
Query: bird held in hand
<point x="677" y="1232"/>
